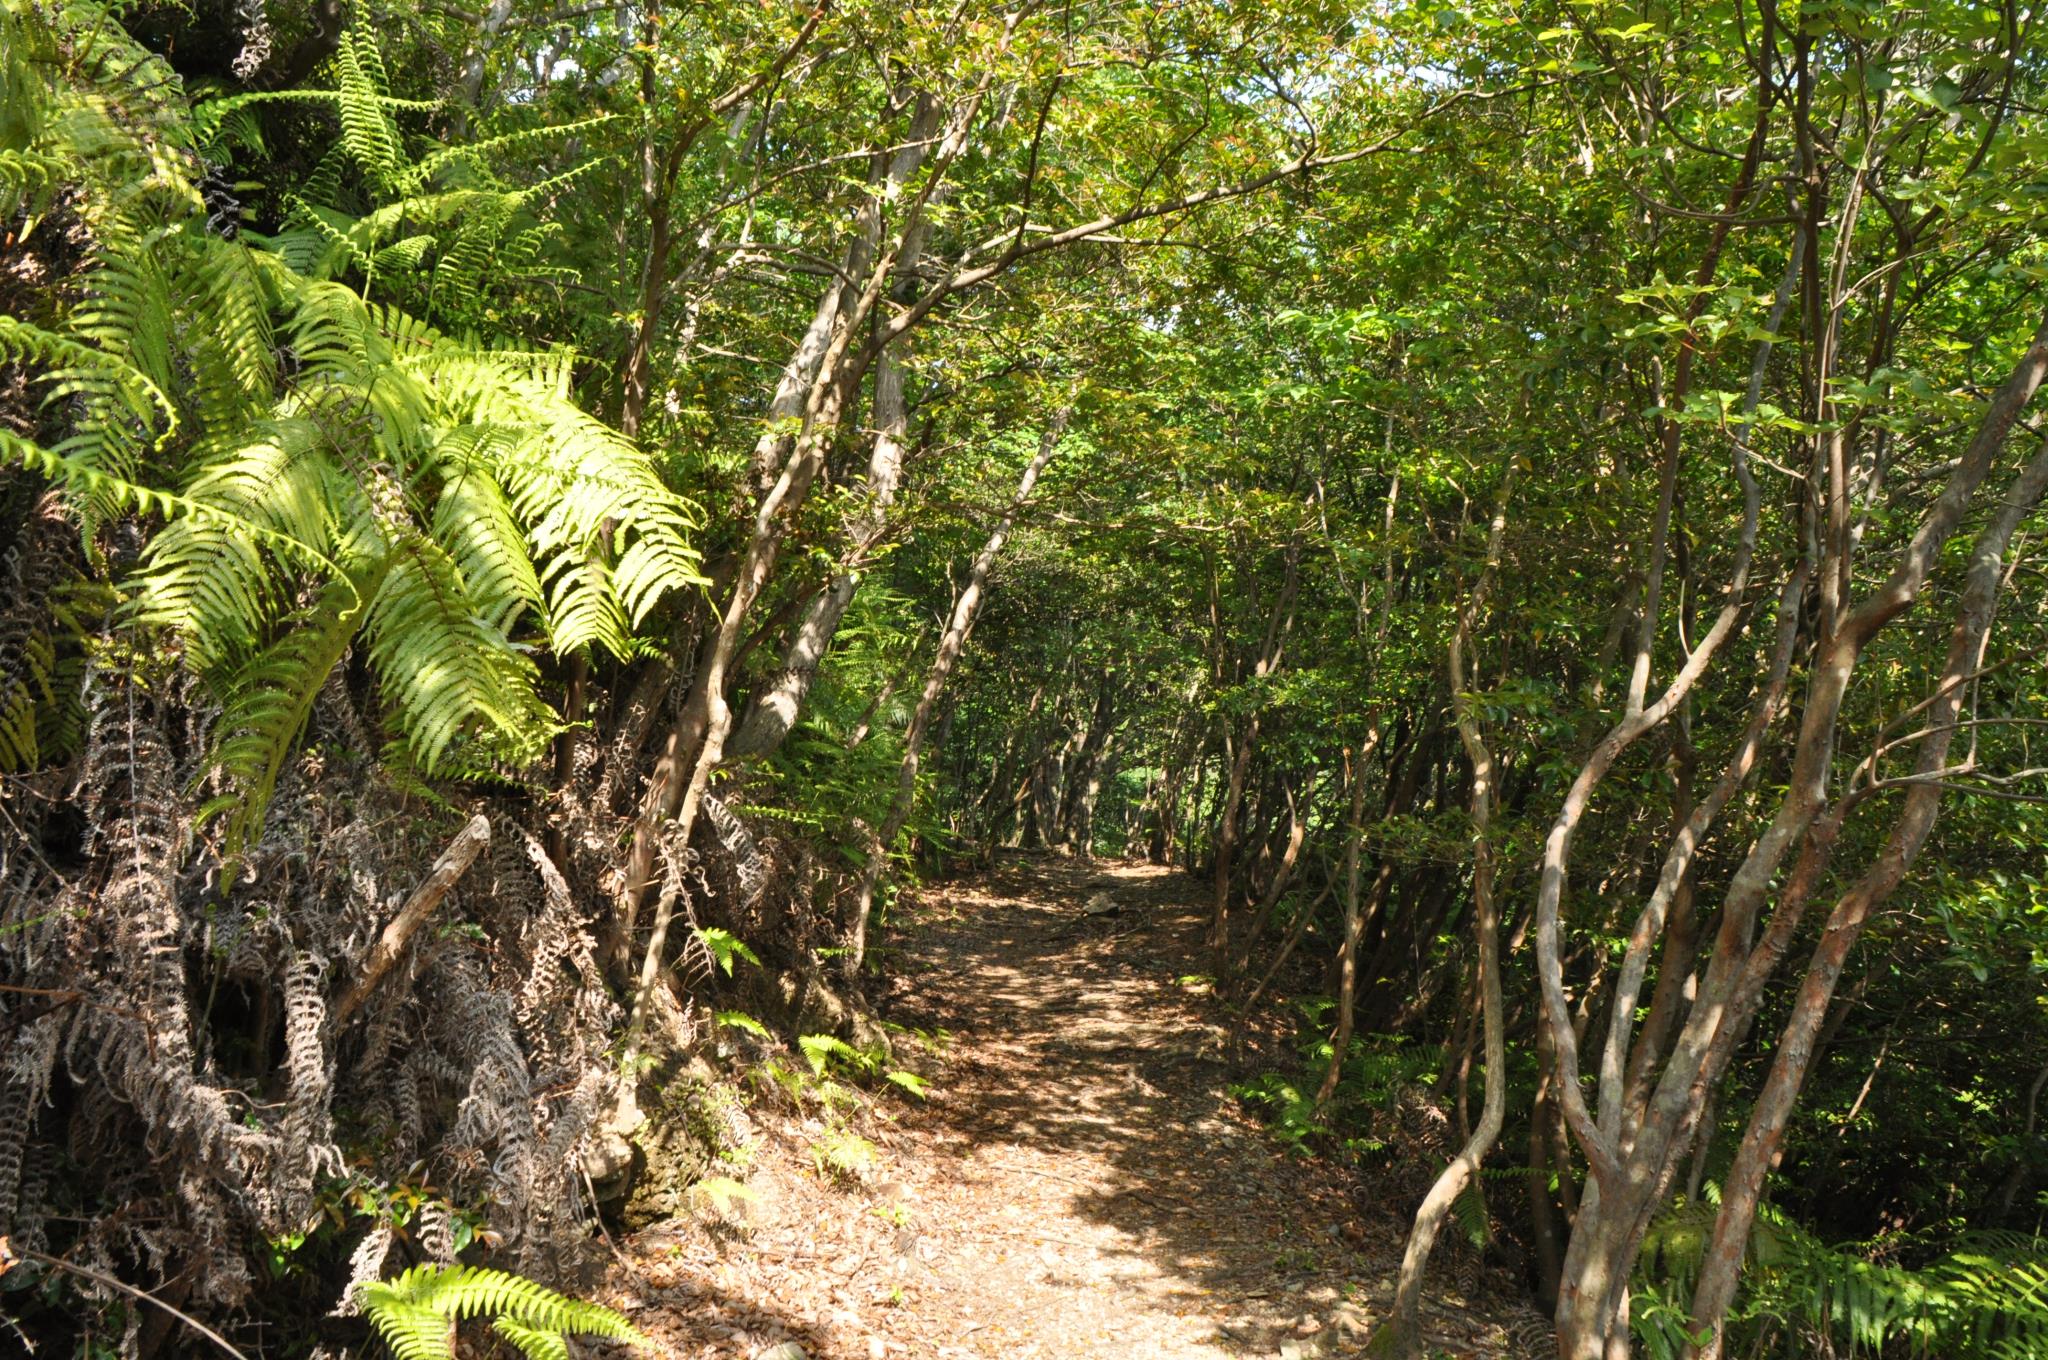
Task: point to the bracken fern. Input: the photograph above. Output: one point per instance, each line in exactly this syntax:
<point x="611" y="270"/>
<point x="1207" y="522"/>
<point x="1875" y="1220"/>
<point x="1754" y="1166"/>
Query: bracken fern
<point x="1984" y="1298"/>
<point x="416" y="1313"/>
<point x="332" y="471"/>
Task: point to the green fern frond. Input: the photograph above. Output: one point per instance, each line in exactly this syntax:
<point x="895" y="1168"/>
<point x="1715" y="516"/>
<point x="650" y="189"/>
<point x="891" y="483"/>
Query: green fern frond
<point x="551" y="187"/>
<point x="319" y="243"/>
<point x="367" y="130"/>
<point x="74" y="368"/>
<point x="522" y="1311"/>
<point x="844" y="1154"/>
<point x="269" y="703"/>
<point x="318" y="464"/>
<point x="401" y="256"/>
<point x="25" y="673"/>
<point x="212" y="115"/>
<point x="208" y="575"/>
<point x="235" y="354"/>
<point x="575" y="484"/>
<point x="456" y="681"/>
<point x="88" y="482"/>
<point x="449" y="207"/>
<point x="479" y="153"/>
<point x="411" y="1330"/>
<point x="462" y="273"/>
<point x="533" y="1342"/>
<point x="129" y="312"/>
<point x="27" y="179"/>
<point x="1469" y="1208"/>
<point x="1985" y="1299"/>
<point x="475" y="519"/>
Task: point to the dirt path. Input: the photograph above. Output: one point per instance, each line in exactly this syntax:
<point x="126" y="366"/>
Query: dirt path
<point x="1081" y="1184"/>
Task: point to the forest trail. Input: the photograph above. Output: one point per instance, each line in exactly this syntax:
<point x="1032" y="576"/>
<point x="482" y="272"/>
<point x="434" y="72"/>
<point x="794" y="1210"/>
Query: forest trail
<point x="1081" y="1183"/>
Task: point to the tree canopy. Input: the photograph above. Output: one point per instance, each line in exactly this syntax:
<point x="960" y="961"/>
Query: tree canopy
<point x="1535" y="508"/>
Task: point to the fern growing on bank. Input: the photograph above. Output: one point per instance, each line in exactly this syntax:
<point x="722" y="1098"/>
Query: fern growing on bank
<point x="330" y="473"/>
<point x="1985" y="1298"/>
<point x="416" y="1313"/>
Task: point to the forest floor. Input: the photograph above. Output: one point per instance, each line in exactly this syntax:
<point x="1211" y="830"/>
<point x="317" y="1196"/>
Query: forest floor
<point x="1079" y="1184"/>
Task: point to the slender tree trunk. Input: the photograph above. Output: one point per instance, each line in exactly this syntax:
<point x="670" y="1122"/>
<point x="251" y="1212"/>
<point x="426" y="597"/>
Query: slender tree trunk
<point x="1289" y="857"/>
<point x="1278" y="625"/>
<point x="1402" y="1335"/>
<point x="1081" y="821"/>
<point x="1633" y="1161"/>
<point x="1354" y="920"/>
<point x="1226" y="837"/>
<point x="1186" y="744"/>
<point x="1195" y="807"/>
<point x="774" y="711"/>
<point x="696" y="745"/>
<point x="1545" y="1233"/>
<point x="2009" y="1192"/>
<point x="1796" y="1047"/>
<point x="1295" y="934"/>
<point x="1085" y="777"/>
<point x="958" y="627"/>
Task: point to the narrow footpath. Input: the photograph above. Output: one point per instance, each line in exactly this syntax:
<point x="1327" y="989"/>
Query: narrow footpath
<point x="1080" y="1185"/>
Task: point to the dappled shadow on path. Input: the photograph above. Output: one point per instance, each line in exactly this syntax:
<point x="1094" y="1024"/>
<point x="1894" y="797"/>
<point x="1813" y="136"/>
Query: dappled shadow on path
<point x="1089" y="1186"/>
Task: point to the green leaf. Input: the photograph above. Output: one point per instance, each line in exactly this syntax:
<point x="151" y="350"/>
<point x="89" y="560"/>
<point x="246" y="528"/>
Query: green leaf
<point x="911" y="1082"/>
<point x="726" y="947"/>
<point x="741" y="1020"/>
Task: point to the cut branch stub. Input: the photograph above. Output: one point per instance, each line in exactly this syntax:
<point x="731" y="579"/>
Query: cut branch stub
<point x="453" y="863"/>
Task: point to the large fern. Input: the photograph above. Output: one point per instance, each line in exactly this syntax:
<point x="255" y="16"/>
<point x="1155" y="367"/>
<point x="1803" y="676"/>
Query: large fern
<point x="416" y="1313"/>
<point x="330" y="473"/>
<point x="1984" y="1298"/>
<point x="433" y="229"/>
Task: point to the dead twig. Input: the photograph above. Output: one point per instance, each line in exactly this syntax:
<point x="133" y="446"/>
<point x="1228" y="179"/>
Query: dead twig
<point x="460" y="854"/>
<point x="11" y="1256"/>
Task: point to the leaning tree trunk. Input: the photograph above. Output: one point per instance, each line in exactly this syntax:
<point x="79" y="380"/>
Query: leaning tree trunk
<point x="1084" y="779"/>
<point x="697" y="742"/>
<point x="774" y="710"/>
<point x="1354" y="924"/>
<point x="1278" y="626"/>
<point x="1284" y="863"/>
<point x="958" y="626"/>
<point x="1081" y="821"/>
<point x="1632" y="1149"/>
<point x="1743" y="1190"/>
<point x="809" y="394"/>
<point x="1402" y="1334"/>
<point x="773" y="713"/>
<point x="1185" y="742"/>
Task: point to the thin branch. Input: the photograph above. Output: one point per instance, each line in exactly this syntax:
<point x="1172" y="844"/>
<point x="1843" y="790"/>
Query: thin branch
<point x="11" y="1256"/>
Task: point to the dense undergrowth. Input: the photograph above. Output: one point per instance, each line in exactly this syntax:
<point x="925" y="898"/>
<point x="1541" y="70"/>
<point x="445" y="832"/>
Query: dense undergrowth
<point x="521" y="532"/>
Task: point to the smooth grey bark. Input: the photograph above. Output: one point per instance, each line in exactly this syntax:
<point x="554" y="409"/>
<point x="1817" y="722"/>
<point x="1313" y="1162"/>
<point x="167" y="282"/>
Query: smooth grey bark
<point x="835" y="311"/>
<point x="774" y="711"/>
<point x="697" y="742"/>
<point x="804" y="412"/>
<point x="1634" y="1160"/>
